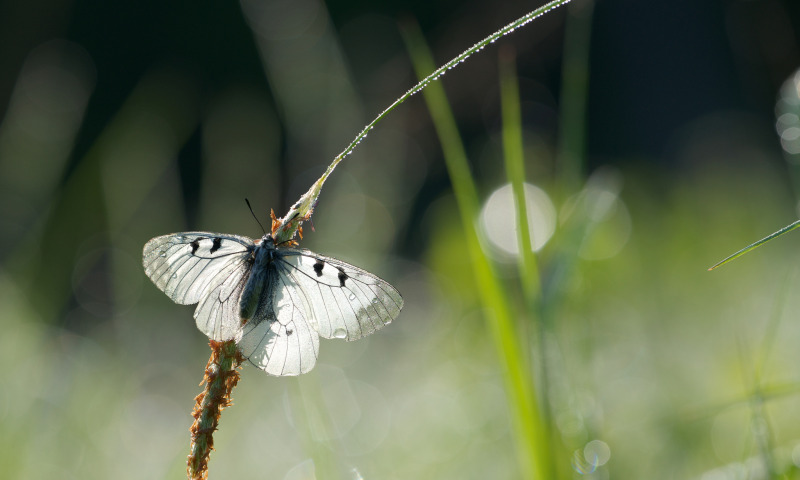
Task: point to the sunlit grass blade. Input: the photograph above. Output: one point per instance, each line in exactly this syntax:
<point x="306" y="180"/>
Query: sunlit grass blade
<point x="757" y="244"/>
<point x="523" y="404"/>
<point x="515" y="170"/>
<point x="513" y="152"/>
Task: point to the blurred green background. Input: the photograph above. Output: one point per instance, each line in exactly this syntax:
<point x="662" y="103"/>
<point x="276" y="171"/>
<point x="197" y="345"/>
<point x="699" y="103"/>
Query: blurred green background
<point x="661" y="137"/>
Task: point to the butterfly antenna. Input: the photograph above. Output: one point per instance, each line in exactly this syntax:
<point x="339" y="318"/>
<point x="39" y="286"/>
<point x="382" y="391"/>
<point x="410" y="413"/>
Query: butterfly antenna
<point x="254" y="215"/>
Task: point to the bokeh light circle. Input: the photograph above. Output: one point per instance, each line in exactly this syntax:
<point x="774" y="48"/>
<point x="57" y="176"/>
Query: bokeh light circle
<point x="498" y="218"/>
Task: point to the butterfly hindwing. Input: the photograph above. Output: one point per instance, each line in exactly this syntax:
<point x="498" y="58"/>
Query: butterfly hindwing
<point x="217" y="314"/>
<point x="341" y="300"/>
<point x="279" y="339"/>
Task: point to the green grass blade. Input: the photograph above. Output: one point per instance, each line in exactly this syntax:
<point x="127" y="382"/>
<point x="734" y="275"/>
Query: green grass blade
<point x="513" y="152"/>
<point x="515" y="169"/>
<point x="574" y="95"/>
<point x="523" y="405"/>
<point x="757" y="244"/>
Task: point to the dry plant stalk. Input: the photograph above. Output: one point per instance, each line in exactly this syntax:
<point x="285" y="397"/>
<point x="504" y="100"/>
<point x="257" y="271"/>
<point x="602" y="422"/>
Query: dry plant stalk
<point x="220" y="377"/>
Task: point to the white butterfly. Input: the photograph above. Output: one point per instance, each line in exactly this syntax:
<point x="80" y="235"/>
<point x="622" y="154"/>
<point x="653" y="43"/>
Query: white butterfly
<point x="274" y="301"/>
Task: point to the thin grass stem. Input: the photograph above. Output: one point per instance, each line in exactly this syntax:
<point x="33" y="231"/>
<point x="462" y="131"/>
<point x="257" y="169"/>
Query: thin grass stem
<point x="574" y="94"/>
<point x="303" y="208"/>
<point x="515" y="170"/>
<point x="513" y="152"/>
<point x="523" y="406"/>
<point x="757" y="244"/>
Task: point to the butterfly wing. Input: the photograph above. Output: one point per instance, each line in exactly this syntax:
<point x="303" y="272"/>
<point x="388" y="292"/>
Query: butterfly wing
<point x="306" y="296"/>
<point x="341" y="300"/>
<point x="279" y="339"/>
<point x="204" y="267"/>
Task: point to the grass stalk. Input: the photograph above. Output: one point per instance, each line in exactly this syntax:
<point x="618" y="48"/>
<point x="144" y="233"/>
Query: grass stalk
<point x="301" y="211"/>
<point x="515" y="170"/>
<point x="753" y="246"/>
<point x="574" y="95"/>
<point x="221" y="376"/>
<point x="513" y="152"/>
<point x="517" y="378"/>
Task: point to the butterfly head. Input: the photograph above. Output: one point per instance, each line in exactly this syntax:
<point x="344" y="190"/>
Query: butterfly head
<point x="266" y="241"/>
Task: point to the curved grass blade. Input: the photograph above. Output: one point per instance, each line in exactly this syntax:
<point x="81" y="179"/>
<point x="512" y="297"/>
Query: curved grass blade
<point x="285" y="228"/>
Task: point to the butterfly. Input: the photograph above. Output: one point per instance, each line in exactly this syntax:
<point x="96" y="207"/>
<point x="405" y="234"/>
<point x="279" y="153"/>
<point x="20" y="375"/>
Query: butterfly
<point x="273" y="300"/>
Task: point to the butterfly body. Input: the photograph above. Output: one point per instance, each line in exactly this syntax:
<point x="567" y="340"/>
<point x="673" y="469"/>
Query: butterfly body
<point x="274" y="301"/>
<point x="263" y="257"/>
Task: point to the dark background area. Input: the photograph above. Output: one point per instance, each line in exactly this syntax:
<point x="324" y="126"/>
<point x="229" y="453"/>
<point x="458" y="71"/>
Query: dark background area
<point x="654" y="65"/>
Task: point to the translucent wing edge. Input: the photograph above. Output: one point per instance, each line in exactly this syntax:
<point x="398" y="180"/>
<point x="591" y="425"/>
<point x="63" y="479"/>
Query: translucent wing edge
<point x="363" y="305"/>
<point x="167" y="263"/>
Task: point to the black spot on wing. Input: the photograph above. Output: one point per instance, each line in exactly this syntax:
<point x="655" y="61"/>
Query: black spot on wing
<point x="342" y="276"/>
<point x="318" y="267"/>
<point x="217" y="244"/>
<point x="195" y="245"/>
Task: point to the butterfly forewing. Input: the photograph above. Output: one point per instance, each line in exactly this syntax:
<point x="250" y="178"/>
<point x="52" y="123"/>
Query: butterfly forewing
<point x="202" y="267"/>
<point x="342" y="300"/>
<point x="185" y="265"/>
